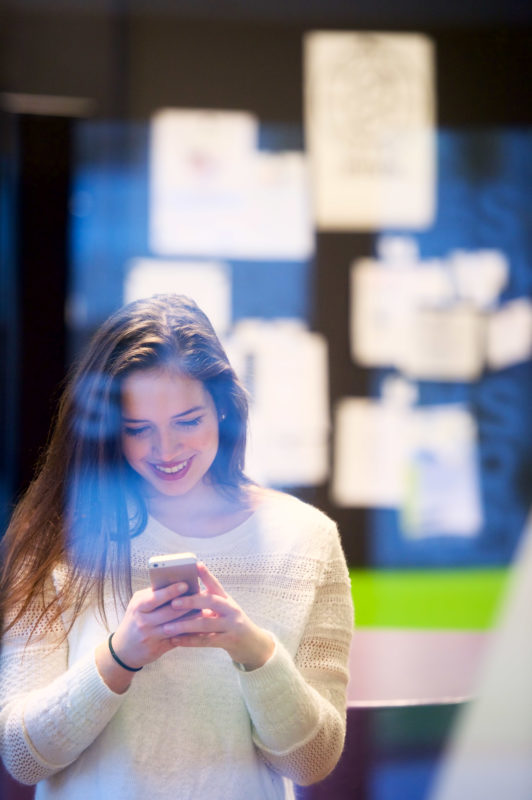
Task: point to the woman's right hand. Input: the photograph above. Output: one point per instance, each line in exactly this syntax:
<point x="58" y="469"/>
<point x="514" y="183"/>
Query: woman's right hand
<point x="139" y="638"/>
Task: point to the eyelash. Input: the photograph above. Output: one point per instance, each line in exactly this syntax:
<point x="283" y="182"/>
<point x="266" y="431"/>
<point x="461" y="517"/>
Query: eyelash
<point x="190" y="423"/>
<point x="134" y="431"/>
<point x="186" y="423"/>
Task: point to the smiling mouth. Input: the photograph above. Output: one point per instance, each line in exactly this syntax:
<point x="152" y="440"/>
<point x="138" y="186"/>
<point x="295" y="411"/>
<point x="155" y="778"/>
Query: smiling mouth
<point x="173" y="469"/>
<point x="172" y="472"/>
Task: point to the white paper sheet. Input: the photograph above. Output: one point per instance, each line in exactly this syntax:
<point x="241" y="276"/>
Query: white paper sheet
<point x="406" y="316"/>
<point x="479" y="275"/>
<point x="370" y="445"/>
<point x="208" y="283"/>
<point x="444" y="345"/>
<point x="443" y="487"/>
<point x="277" y="218"/>
<point x="509" y="339"/>
<point x="285" y="368"/>
<point x="421" y="461"/>
<point x="380" y="310"/>
<point x="199" y="174"/>
<point x="212" y="193"/>
<point x="369" y="116"/>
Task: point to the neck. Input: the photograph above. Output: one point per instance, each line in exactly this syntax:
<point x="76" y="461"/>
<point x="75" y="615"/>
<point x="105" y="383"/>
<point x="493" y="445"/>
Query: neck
<point x="203" y="512"/>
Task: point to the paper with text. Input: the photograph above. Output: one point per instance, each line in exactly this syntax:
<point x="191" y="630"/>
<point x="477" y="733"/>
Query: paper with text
<point x="369" y="122"/>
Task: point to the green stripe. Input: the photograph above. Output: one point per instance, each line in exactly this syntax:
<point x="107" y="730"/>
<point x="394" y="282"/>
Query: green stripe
<point x="456" y="599"/>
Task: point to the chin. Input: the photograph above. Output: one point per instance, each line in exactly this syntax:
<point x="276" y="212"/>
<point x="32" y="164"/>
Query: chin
<point x="174" y="491"/>
<point x="178" y="489"/>
<point x="170" y="489"/>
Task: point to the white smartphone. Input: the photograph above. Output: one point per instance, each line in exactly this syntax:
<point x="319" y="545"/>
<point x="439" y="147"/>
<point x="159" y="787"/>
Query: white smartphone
<point x="175" y="568"/>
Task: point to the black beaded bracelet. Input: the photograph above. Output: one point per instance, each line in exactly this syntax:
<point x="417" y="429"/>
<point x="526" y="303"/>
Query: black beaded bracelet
<point x="118" y="660"/>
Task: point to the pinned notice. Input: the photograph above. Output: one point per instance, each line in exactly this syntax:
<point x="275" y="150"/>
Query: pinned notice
<point x="444" y="345"/>
<point x="421" y="461"/>
<point x="424" y="318"/>
<point x="510" y="334"/>
<point x="213" y="194"/>
<point x="369" y="116"/>
<point x="285" y="368"/>
<point x="443" y="485"/>
<point x="371" y="440"/>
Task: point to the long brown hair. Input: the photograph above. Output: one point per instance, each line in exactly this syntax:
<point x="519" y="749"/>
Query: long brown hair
<point x="85" y="502"/>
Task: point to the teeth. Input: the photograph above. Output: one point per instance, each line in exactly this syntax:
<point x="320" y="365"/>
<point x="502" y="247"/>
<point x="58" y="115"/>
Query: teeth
<point x="171" y="470"/>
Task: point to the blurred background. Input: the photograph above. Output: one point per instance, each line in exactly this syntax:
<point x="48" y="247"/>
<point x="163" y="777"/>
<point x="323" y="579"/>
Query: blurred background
<point x="345" y="189"/>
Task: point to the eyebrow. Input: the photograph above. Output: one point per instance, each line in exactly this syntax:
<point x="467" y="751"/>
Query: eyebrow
<point x="192" y="410"/>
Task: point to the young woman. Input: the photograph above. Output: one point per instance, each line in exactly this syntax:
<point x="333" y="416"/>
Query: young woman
<point x="106" y="688"/>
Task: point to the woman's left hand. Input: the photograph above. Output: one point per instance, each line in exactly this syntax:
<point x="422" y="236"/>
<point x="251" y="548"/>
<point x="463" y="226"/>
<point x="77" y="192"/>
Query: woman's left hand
<point x="222" y="623"/>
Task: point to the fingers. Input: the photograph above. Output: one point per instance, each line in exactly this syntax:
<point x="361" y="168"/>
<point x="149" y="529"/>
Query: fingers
<point x="220" y="605"/>
<point x="167" y="613"/>
<point x="140" y="637"/>
<point x="157" y="620"/>
<point x="196" y="625"/>
<point x="150" y="599"/>
<point x="212" y="585"/>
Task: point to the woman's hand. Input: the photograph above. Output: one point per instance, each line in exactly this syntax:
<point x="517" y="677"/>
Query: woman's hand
<point x="140" y="637"/>
<point x="221" y="624"/>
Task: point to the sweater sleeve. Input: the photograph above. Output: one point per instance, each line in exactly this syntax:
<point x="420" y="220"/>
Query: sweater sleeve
<point x="49" y="713"/>
<point x="298" y="706"/>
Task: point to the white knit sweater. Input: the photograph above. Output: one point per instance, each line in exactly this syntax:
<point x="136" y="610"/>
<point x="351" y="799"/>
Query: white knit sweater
<point x="192" y="725"/>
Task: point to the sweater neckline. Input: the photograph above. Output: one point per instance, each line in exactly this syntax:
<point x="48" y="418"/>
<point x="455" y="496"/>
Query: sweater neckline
<point x="221" y="540"/>
<point x="210" y="544"/>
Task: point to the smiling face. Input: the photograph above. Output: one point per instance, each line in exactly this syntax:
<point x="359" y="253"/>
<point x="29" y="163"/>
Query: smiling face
<point x="169" y="430"/>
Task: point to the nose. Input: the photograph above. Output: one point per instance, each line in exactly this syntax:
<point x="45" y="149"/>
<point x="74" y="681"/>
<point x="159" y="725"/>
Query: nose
<point x="166" y="445"/>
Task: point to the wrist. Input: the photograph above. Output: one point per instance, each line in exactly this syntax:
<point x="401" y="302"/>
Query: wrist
<point x="117" y="658"/>
<point x="114" y="676"/>
<point x="256" y="656"/>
